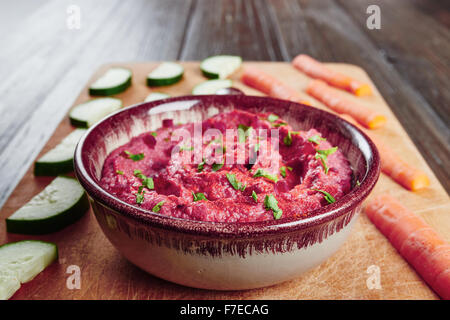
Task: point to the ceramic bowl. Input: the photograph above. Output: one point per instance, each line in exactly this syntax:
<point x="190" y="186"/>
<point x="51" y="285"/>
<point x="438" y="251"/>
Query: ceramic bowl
<point x="223" y="256"/>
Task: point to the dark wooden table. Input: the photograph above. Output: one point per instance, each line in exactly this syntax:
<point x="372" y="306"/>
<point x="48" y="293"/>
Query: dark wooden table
<point x="44" y="64"/>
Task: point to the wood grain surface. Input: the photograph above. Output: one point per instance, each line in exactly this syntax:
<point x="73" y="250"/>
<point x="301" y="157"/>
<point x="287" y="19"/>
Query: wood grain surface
<point x="105" y="274"/>
<point x="44" y="64"/>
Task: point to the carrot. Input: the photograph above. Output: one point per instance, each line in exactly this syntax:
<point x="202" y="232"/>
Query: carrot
<point x="318" y="70"/>
<point x="409" y="177"/>
<point x="392" y="165"/>
<point x="335" y="101"/>
<point x="415" y="240"/>
<point x="271" y="86"/>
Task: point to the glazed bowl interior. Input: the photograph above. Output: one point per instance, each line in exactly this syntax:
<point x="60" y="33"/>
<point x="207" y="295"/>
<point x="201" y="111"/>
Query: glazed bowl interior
<point x="120" y="127"/>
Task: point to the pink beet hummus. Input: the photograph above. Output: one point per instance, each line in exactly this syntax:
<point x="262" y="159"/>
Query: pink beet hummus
<point x="282" y="173"/>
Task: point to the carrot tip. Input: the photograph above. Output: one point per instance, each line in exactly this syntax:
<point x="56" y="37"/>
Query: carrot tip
<point x="308" y="103"/>
<point x="377" y="122"/>
<point x="363" y="90"/>
<point x="420" y="181"/>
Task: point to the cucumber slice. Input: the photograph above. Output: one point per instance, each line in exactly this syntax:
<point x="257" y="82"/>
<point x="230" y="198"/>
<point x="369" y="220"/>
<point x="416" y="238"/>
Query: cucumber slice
<point x="211" y="86"/>
<point x="21" y="261"/>
<point x="220" y="67"/>
<point x="61" y="203"/>
<point x="165" y="74"/>
<point x="59" y="160"/>
<point x="156" y="96"/>
<point x="86" y="114"/>
<point x="113" y="81"/>
<point x="9" y="283"/>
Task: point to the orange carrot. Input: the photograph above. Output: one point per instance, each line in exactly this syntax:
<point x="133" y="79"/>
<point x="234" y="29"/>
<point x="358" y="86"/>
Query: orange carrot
<point x="318" y="70"/>
<point x="409" y="177"/>
<point x="271" y="86"/>
<point x="337" y="102"/>
<point x="392" y="165"/>
<point x="414" y="239"/>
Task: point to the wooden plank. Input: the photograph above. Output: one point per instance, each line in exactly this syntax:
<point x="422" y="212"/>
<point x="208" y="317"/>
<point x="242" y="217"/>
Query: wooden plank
<point x="325" y="30"/>
<point x="105" y="274"/>
<point x="427" y="49"/>
<point x="242" y="28"/>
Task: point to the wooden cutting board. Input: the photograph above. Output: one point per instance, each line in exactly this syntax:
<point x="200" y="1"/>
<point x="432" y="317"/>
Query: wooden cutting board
<point x="105" y="274"/>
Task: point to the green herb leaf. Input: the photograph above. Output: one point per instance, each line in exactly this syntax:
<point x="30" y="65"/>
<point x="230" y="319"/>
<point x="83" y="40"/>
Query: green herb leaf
<point x="140" y="195"/>
<point x="201" y="166"/>
<point x="186" y="148"/>
<point x="158" y="206"/>
<point x="327" y="196"/>
<point x="134" y="157"/>
<point x="271" y="203"/>
<point x="236" y="184"/>
<point x="254" y="196"/>
<point x="316" y="139"/>
<point x="327" y="152"/>
<point x="322" y="155"/>
<point x="146" y="181"/>
<point x="277" y="125"/>
<point x="288" y="138"/>
<point x="198" y="196"/>
<point x="358" y="183"/>
<point x="139" y="198"/>
<point x="272" y="117"/>
<point x="261" y="173"/>
<point x="216" y="166"/>
<point x="119" y="172"/>
<point x="154" y="133"/>
<point x="243" y="132"/>
<point x="283" y="171"/>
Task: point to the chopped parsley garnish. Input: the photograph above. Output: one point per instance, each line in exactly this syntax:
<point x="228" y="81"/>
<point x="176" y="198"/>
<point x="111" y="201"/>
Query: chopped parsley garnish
<point x="243" y="133"/>
<point x="358" y="183"/>
<point x="198" y="196"/>
<point x="185" y="148"/>
<point x="316" y="139"/>
<point x="146" y="181"/>
<point x="158" y="206"/>
<point x="261" y="173"/>
<point x="272" y="117"/>
<point x="154" y="133"/>
<point x="270" y="203"/>
<point x="119" y="172"/>
<point x="283" y="171"/>
<point x="134" y="157"/>
<point x="216" y="166"/>
<point x="201" y="166"/>
<point x="140" y="195"/>
<point x="280" y="124"/>
<point x="288" y="138"/>
<point x="322" y="155"/>
<point x="327" y="196"/>
<point x="254" y="196"/>
<point x="236" y="184"/>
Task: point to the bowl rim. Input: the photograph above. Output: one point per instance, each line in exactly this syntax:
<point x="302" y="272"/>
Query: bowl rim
<point x="211" y="229"/>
